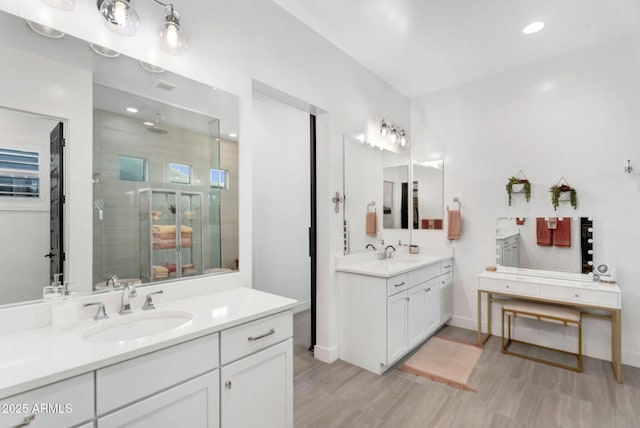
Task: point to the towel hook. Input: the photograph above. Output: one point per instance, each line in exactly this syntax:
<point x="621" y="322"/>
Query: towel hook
<point x="456" y="201"/>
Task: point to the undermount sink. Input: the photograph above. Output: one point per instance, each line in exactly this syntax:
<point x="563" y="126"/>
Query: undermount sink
<point x="129" y="327"/>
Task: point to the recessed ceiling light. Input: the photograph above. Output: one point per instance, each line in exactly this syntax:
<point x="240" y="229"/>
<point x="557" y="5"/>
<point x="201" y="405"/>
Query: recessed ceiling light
<point x="106" y="52"/>
<point x="147" y="123"/>
<point x="132" y="109"/>
<point x="151" y="68"/>
<point x="534" y="27"/>
<point x="233" y="135"/>
<point x="45" y="31"/>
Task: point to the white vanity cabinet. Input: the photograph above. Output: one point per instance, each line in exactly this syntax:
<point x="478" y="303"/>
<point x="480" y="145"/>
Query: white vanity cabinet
<point x="257" y="373"/>
<point x="508" y="249"/>
<point x="382" y="319"/>
<point x="62" y="404"/>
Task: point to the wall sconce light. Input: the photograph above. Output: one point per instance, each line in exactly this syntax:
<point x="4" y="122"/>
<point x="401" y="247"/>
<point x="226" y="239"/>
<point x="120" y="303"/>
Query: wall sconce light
<point x="122" y="19"/>
<point x="394" y="134"/>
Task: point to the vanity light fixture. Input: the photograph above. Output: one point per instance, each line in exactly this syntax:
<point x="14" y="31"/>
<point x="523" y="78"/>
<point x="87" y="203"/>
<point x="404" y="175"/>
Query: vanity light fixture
<point x="45" y="31"/>
<point x="121" y="18"/>
<point x="534" y="27"/>
<point x="61" y="4"/>
<point x="394" y="134"/>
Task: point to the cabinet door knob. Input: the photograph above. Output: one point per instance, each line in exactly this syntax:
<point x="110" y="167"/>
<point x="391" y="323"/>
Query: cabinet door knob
<point x="577" y="295"/>
<point x="227" y="384"/>
<point x="26" y="421"/>
<point x="508" y="286"/>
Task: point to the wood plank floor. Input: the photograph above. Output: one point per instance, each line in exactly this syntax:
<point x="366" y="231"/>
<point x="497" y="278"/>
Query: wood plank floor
<point x="511" y="392"/>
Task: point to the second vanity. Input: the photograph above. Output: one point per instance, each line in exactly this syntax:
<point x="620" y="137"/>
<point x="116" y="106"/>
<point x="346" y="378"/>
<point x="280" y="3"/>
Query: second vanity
<point x="389" y="307"/>
<point x="234" y="351"/>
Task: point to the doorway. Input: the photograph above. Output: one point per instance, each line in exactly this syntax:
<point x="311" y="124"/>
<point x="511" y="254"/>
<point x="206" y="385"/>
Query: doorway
<point x="284" y="222"/>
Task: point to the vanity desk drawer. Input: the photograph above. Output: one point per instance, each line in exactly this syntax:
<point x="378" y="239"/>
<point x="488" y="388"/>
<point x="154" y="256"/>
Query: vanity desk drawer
<point x="397" y="284"/>
<point x="581" y="295"/>
<point x="514" y="287"/>
<point x="245" y="339"/>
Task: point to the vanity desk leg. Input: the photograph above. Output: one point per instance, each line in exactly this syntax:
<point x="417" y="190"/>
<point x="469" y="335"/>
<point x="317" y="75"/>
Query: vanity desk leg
<point x="481" y="340"/>
<point x="616" y="343"/>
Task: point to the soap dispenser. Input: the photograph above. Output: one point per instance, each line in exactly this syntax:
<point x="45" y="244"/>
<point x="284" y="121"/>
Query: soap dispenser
<point x="64" y="311"/>
<point x="52" y="291"/>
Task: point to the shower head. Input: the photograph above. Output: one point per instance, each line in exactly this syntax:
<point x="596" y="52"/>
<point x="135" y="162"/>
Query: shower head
<point x="156" y="128"/>
<point x="97" y="177"/>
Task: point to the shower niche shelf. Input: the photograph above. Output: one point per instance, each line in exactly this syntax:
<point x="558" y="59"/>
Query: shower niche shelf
<point x="171" y="234"/>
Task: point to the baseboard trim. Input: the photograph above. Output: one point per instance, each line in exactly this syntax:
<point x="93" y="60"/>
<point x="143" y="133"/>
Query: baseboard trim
<point x="326" y="355"/>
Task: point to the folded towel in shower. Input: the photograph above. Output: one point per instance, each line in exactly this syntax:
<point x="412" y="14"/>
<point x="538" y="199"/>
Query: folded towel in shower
<point x="520" y="221"/>
<point x="185" y="242"/>
<point x="164" y="229"/>
<point x="164" y="236"/>
<point x="562" y="234"/>
<point x="186" y="229"/>
<point x="544" y="235"/>
<point x="163" y="244"/>
<point x="372" y="221"/>
<point x="160" y="269"/>
<point x="454" y="224"/>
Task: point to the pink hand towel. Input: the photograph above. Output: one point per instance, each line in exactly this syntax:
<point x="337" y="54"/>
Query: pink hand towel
<point x="544" y="235"/>
<point x="562" y="234"/>
<point x="455" y="223"/>
<point x="371" y="223"/>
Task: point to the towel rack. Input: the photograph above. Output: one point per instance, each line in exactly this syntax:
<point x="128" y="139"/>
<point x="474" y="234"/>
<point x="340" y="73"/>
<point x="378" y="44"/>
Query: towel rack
<point x="371" y="207"/>
<point x="456" y="201"/>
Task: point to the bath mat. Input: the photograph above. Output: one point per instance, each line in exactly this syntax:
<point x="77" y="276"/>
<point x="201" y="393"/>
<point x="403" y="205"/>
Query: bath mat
<point x="444" y="360"/>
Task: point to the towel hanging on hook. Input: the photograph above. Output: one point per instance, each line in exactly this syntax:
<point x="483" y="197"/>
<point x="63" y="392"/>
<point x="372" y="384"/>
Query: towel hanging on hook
<point x="371" y="207"/>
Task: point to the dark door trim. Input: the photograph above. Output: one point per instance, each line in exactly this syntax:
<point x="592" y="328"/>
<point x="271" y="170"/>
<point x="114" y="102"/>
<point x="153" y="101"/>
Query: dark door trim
<point x="313" y="228"/>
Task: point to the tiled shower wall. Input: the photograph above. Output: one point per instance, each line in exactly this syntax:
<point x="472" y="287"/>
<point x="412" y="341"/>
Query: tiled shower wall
<point x="116" y="247"/>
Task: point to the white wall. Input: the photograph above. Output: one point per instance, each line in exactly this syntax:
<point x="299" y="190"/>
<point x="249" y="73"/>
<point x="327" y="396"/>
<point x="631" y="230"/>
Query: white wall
<point x="24" y="229"/>
<point x="37" y="85"/>
<point x="231" y="44"/>
<point x="282" y="201"/>
<point x="574" y="116"/>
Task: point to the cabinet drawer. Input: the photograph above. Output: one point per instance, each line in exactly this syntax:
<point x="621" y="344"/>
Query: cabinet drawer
<point x="397" y="284"/>
<point x="511" y="287"/>
<point x="251" y="337"/>
<point x="509" y="241"/>
<point x="447" y="266"/>
<point x="578" y="295"/>
<point x="427" y="273"/>
<point x="61" y="404"/>
<point x="126" y="382"/>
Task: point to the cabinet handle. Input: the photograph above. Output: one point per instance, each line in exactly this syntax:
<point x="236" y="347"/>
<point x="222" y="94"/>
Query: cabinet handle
<point x="227" y="384"/>
<point x="26" y="421"/>
<point x="443" y="282"/>
<point x="577" y="295"/>
<point x="407" y="298"/>
<point x="262" y="336"/>
<point x="399" y="285"/>
<point x="508" y="286"/>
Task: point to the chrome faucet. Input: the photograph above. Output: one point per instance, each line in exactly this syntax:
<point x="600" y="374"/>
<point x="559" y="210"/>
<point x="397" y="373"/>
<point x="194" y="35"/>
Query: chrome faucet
<point x="370" y="246"/>
<point x="128" y="291"/>
<point x="113" y="279"/>
<point x="388" y="255"/>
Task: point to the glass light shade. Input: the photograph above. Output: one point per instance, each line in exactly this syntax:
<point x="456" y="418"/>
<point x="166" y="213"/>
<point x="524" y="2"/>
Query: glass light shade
<point x="120" y="16"/>
<point x="393" y="137"/>
<point x="404" y="140"/>
<point x="384" y="129"/>
<point x="45" y="31"/>
<point x="172" y="38"/>
<point x="61" y="4"/>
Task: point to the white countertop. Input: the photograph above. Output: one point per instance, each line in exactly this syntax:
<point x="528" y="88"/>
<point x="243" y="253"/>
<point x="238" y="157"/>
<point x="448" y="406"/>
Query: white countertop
<point x="513" y="276"/>
<point x="34" y="358"/>
<point x="394" y="266"/>
<point x="505" y="234"/>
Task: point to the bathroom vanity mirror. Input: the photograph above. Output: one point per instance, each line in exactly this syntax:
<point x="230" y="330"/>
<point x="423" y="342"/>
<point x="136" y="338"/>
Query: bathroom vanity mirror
<point x="159" y="157"/>
<point x="374" y="180"/>
<point x="562" y="244"/>
<point x="428" y="195"/>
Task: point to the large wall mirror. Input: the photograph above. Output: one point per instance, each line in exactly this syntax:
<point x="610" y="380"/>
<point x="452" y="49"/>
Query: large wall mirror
<point x="163" y="166"/>
<point x="376" y="183"/>
<point x="562" y="244"/>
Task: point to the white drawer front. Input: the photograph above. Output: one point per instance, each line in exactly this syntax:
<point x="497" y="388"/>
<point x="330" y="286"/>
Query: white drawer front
<point x="514" y="287"/>
<point x="397" y="284"/>
<point x="140" y="377"/>
<point x="578" y="295"/>
<point x="447" y="266"/>
<point x="427" y="273"/>
<point x="251" y="337"/>
<point x="62" y="404"/>
<point x="510" y="241"/>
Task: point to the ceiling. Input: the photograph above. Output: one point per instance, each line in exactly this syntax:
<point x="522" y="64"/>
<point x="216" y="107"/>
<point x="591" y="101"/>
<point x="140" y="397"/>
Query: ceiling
<point x="422" y="46"/>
